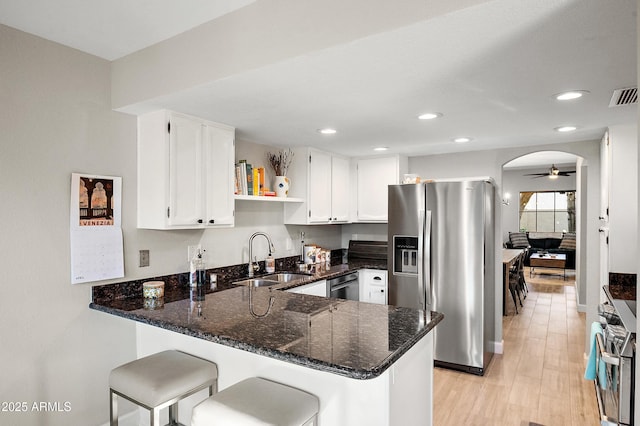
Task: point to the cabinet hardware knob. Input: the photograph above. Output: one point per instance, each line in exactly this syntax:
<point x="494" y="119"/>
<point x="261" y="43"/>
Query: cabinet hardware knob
<point x="200" y="221"/>
<point x="212" y="221"/>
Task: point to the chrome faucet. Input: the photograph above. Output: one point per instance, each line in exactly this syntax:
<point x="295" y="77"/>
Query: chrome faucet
<point x="253" y="266"/>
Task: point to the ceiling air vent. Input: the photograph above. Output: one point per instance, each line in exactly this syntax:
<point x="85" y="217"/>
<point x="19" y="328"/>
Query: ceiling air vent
<point x="628" y="96"/>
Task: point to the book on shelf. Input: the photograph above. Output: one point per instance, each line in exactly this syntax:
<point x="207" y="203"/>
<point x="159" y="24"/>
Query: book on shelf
<point x="249" y="180"/>
<point x="256" y="181"/>
<point x="261" y="186"/>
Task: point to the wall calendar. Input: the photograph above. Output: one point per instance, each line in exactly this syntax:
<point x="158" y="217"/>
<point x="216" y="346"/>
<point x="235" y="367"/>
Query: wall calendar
<point x="96" y="228"/>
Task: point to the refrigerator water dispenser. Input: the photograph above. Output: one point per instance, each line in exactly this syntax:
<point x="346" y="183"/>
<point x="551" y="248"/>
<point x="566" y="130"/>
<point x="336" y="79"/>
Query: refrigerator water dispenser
<point x="405" y="254"/>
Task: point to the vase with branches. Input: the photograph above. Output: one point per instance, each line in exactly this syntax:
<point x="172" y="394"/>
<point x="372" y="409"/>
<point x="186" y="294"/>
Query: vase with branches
<point x="280" y="161"/>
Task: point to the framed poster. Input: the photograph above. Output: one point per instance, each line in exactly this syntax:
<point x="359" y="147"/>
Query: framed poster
<point x="95" y="228"/>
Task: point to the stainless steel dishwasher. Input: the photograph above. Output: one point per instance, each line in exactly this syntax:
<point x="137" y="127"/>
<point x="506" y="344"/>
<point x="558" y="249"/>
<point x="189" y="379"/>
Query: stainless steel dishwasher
<point x="344" y="287"/>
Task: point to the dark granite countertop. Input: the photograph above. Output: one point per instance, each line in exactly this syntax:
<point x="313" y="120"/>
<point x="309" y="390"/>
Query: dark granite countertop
<point x="353" y="339"/>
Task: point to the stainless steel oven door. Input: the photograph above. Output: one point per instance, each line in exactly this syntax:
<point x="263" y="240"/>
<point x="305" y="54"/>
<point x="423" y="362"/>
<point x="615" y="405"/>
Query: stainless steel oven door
<point x="607" y="376"/>
<point x="344" y="287"/>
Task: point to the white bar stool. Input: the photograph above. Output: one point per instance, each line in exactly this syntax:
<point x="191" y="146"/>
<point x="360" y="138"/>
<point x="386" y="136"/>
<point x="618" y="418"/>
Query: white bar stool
<point x="160" y="380"/>
<point x="257" y="401"/>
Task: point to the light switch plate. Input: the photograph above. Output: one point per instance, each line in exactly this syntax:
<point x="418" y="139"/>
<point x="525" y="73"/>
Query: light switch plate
<point x="144" y="258"/>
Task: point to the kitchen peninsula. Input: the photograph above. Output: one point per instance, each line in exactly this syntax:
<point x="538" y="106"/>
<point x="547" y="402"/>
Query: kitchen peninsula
<point x="369" y="364"/>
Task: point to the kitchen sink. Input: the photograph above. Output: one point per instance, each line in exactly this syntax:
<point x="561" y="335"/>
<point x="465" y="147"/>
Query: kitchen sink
<point x="258" y="282"/>
<point x="272" y="279"/>
<point x="284" y="277"/>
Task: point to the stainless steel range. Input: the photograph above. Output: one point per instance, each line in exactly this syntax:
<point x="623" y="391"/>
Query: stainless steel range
<point x="615" y="365"/>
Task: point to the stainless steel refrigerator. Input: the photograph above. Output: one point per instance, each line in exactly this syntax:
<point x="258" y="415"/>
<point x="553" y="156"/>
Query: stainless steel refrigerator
<point x="441" y="258"/>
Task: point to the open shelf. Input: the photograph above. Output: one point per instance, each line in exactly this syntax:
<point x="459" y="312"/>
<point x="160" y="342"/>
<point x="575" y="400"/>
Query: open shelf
<point x="268" y="199"/>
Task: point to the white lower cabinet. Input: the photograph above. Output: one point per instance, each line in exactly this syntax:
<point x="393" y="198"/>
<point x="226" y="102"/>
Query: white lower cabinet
<point x="318" y="288"/>
<point x="373" y="286"/>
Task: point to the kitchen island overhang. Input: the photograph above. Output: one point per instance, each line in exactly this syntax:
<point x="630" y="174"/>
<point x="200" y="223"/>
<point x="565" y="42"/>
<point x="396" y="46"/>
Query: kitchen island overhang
<point x="376" y="358"/>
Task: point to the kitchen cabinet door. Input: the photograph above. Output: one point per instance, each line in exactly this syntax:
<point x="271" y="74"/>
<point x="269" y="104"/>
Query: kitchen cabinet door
<point x="339" y="189"/>
<point x="319" y="186"/>
<point x="374" y="175"/>
<point x="219" y="146"/>
<point x="321" y="180"/>
<point x="373" y="286"/>
<point x="185" y="172"/>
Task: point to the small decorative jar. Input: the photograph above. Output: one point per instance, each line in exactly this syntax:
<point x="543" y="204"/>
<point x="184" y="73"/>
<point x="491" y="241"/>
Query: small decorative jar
<point x="153" y="290"/>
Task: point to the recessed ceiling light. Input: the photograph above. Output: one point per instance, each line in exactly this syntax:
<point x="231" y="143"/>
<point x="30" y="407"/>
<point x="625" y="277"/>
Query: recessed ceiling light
<point x="565" y="129"/>
<point x="462" y="140"/>
<point x="381" y="148"/>
<point x="430" y="115"/>
<point x="327" y="131"/>
<point x="573" y="94"/>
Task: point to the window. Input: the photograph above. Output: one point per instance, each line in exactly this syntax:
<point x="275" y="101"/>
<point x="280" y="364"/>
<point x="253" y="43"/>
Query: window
<point x="548" y="211"/>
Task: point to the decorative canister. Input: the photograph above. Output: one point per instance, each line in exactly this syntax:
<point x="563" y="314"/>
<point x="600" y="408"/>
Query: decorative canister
<point x="282" y="184"/>
<point x="153" y="289"/>
<point x="151" y="304"/>
<point x="309" y="254"/>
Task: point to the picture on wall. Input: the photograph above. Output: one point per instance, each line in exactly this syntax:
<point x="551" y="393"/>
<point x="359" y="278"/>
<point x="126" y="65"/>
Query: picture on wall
<point x="95" y="201"/>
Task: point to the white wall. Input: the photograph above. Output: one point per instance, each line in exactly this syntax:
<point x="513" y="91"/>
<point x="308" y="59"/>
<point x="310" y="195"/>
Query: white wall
<point x="56" y="118"/>
<point x="623" y="199"/>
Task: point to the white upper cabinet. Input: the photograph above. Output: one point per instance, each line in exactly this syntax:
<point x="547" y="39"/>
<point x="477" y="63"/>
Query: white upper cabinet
<point x="321" y="179"/>
<point x="219" y="154"/>
<point x="319" y="195"/>
<point x="340" y="189"/>
<point x="185" y="172"/>
<point x="373" y="176"/>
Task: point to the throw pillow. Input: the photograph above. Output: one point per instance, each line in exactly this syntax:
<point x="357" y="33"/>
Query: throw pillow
<point x="518" y="239"/>
<point x="568" y="241"/>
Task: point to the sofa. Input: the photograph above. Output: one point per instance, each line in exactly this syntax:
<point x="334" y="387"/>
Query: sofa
<point x="550" y="242"/>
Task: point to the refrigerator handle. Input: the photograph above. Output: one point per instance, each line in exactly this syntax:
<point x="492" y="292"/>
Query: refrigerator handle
<point x="424" y="267"/>
<point x="426" y="262"/>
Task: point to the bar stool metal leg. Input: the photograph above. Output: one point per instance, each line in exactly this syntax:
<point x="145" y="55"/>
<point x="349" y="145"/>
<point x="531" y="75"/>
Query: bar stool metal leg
<point x="113" y="408"/>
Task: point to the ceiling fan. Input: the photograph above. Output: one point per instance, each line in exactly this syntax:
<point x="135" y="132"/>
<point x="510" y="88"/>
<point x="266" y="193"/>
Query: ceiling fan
<point x="553" y="173"/>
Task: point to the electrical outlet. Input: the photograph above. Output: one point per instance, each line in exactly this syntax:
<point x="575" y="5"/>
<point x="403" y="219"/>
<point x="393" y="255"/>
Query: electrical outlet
<point x="144" y="258"/>
<point x="192" y="251"/>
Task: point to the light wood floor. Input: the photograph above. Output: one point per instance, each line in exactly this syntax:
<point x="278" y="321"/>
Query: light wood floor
<point x="538" y="379"/>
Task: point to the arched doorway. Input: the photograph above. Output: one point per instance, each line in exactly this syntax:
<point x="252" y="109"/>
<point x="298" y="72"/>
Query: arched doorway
<point x="542" y="196"/>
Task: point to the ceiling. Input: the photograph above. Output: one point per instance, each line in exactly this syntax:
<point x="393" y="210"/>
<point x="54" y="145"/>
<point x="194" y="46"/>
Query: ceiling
<point x="115" y="28"/>
<point x="490" y="69"/>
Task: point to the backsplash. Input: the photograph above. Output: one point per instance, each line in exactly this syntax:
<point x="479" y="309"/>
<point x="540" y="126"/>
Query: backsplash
<point x="176" y="284"/>
<point x="622" y="286"/>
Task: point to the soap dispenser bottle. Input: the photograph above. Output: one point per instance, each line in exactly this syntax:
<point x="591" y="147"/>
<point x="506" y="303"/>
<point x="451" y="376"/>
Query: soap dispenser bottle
<point x="270" y="264"/>
<point x="197" y="271"/>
